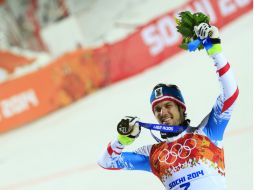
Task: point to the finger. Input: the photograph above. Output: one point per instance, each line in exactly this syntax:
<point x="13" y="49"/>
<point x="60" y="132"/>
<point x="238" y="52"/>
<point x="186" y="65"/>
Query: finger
<point x="196" y="30"/>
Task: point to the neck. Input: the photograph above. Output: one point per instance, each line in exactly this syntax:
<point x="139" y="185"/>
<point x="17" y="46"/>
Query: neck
<point x="185" y="123"/>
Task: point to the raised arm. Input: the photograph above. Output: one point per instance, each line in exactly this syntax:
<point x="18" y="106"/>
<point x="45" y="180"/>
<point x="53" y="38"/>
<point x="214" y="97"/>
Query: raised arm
<point x="215" y="123"/>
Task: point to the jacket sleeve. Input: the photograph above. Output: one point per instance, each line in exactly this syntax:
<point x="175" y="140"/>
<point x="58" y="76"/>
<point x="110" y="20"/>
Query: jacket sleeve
<point x="113" y="158"/>
<point x="215" y="123"/>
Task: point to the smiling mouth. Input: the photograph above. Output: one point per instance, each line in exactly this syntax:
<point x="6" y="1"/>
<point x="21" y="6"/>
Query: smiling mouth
<point x="167" y="120"/>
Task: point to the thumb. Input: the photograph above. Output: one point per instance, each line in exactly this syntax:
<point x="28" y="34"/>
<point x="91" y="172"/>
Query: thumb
<point x="136" y="130"/>
<point x="214" y="32"/>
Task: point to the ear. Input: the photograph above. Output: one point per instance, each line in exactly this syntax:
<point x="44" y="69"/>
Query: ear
<point x="182" y="112"/>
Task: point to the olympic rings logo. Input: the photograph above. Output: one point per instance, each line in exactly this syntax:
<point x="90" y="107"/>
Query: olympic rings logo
<point x="177" y="151"/>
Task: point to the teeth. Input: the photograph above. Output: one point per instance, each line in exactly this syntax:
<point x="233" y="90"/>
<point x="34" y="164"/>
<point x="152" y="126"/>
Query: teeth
<point x="167" y="120"/>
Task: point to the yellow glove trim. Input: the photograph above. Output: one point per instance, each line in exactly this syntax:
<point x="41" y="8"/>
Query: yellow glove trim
<point x="216" y="48"/>
<point x="125" y="140"/>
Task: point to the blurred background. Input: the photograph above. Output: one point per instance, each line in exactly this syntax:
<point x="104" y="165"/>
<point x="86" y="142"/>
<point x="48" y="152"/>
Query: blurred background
<point x="71" y="69"/>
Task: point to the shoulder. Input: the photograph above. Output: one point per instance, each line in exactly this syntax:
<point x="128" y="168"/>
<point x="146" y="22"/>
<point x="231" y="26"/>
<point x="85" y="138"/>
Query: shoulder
<point x="158" y="146"/>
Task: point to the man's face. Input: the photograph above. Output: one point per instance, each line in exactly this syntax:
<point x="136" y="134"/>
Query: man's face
<point x="169" y="113"/>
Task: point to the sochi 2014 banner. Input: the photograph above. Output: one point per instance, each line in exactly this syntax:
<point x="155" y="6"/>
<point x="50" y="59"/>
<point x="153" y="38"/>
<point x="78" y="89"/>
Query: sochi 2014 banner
<point x="81" y="72"/>
<point x="159" y="39"/>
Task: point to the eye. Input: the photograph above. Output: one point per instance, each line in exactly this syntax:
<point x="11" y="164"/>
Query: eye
<point x="157" y="109"/>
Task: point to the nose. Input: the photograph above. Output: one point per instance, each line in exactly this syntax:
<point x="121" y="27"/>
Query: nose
<point x="163" y="111"/>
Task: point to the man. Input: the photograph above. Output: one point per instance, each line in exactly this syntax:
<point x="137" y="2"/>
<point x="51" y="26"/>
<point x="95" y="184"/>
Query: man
<point x="192" y="159"/>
